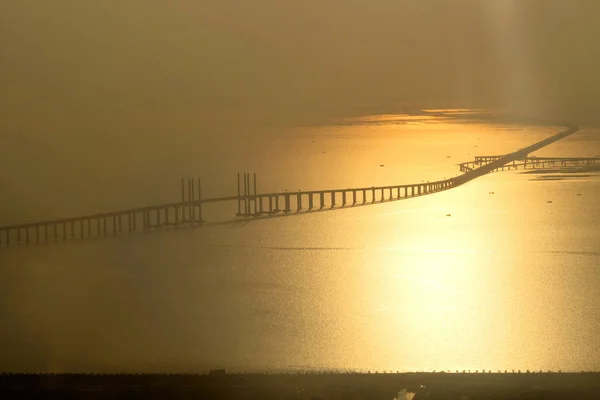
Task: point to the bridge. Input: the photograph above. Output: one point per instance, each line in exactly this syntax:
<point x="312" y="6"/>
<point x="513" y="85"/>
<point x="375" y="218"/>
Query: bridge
<point x="251" y="204"/>
<point x="532" y="163"/>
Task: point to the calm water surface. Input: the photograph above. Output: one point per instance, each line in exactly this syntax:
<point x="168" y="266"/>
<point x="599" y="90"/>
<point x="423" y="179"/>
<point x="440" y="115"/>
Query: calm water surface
<point x="462" y="279"/>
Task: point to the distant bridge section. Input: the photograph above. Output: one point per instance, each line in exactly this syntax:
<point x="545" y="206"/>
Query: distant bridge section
<point x="532" y="163"/>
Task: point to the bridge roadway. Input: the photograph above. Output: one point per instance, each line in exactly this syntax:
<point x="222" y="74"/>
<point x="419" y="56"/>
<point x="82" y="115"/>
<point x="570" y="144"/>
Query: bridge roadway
<point x="188" y="211"/>
<point x="532" y="163"/>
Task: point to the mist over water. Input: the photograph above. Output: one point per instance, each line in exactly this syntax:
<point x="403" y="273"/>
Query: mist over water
<point x="456" y="280"/>
<point x="106" y="105"/>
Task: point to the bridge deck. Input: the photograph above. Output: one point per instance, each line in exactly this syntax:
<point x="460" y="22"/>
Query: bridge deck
<point x="253" y="204"/>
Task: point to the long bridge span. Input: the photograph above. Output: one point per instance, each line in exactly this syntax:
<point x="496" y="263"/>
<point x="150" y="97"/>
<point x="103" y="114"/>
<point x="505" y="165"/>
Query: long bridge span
<point x="251" y="204"/>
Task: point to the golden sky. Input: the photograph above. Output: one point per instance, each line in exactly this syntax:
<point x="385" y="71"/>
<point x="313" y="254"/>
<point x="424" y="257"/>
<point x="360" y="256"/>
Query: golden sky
<point x="78" y="63"/>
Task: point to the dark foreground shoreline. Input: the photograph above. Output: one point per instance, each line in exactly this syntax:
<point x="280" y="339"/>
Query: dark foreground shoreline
<point x="310" y="386"/>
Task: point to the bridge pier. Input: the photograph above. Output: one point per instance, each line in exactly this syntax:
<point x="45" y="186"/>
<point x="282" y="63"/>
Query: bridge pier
<point x="332" y="199"/>
<point x="310" y="201"/>
<point x="277" y="209"/>
<point x="299" y="202"/>
<point x="287" y="203"/>
<point x="239" y="194"/>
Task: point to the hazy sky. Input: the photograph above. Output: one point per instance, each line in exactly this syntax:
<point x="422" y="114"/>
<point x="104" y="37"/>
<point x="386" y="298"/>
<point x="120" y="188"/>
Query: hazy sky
<point x="114" y="64"/>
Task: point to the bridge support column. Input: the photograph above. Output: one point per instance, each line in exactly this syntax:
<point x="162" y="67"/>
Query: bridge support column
<point x="277" y="209"/>
<point x="332" y="199"/>
<point x="310" y="201"/>
<point x="364" y="196"/>
<point x="354" y="197"/>
<point x="299" y="201"/>
<point x="259" y="205"/>
<point x="239" y="194"/>
<point x="246" y="194"/>
<point x="343" y="198"/>
<point x="254" y="195"/>
<point x="287" y="203"/>
<point x="322" y="199"/>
